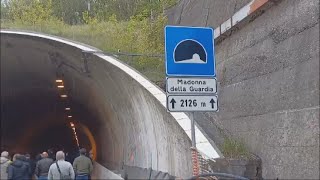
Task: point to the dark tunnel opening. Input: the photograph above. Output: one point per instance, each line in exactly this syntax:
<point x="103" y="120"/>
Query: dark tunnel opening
<point x="34" y="115"/>
<point x="38" y="120"/>
<point x="59" y="137"/>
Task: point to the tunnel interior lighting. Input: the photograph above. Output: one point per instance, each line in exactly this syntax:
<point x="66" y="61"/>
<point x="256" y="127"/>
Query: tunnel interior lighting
<point x="67" y="109"/>
<point x="61" y="86"/>
<point x="69" y="116"/>
<point x="59" y="81"/>
<point x="74" y="133"/>
<point x="64" y="95"/>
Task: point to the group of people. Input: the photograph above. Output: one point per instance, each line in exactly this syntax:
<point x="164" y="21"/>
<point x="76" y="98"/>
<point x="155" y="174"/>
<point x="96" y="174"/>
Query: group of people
<point x="47" y="168"/>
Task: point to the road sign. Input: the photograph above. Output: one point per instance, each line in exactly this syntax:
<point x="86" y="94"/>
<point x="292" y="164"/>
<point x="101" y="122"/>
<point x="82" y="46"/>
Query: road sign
<point x="189" y="51"/>
<point x="181" y="103"/>
<point x="198" y="86"/>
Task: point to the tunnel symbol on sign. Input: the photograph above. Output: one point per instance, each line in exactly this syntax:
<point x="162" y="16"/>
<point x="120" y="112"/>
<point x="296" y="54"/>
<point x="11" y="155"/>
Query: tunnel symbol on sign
<point x="191" y="52"/>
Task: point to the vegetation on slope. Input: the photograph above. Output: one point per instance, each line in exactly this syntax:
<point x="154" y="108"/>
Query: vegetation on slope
<point x="234" y="149"/>
<point x="134" y="27"/>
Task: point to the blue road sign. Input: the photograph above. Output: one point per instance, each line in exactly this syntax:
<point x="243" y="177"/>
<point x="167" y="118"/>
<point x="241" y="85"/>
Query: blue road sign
<point x="189" y="51"/>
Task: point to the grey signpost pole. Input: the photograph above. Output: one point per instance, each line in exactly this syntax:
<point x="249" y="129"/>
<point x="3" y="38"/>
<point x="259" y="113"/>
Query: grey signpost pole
<point x="194" y="152"/>
<point x="193" y="134"/>
<point x="190" y="83"/>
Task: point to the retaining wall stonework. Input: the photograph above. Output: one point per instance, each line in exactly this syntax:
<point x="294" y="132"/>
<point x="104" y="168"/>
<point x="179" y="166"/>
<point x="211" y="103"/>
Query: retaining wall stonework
<point x="268" y="74"/>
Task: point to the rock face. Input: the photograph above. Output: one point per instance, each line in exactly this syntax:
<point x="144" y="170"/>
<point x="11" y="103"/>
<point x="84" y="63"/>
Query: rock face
<point x="268" y="73"/>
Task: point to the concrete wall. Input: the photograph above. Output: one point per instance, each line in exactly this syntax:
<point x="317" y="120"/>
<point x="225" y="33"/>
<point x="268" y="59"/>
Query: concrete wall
<point x="203" y="12"/>
<point x="250" y="169"/>
<point x="268" y="73"/>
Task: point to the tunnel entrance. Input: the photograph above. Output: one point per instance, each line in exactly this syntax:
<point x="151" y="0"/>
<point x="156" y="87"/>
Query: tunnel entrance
<point x="39" y="118"/>
<point x="124" y="124"/>
<point x="58" y="137"/>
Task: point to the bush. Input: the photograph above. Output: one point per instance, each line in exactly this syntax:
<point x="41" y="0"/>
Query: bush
<point x="234" y="149"/>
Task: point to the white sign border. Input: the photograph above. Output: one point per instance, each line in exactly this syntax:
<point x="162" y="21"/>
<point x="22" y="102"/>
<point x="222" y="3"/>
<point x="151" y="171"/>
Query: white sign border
<point x="168" y="95"/>
<point x="189" y="75"/>
<point x="189" y="93"/>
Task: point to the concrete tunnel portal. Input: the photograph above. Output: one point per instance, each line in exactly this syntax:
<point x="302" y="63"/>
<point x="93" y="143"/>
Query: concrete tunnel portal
<point x="114" y="115"/>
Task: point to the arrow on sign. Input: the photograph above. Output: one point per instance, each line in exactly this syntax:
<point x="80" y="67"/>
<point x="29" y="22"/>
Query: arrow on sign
<point x="212" y="103"/>
<point x="172" y="102"/>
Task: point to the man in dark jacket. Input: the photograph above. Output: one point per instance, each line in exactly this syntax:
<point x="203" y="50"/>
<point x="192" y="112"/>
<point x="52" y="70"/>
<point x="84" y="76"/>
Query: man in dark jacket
<point x="32" y="164"/>
<point x="82" y="166"/>
<point x="23" y="158"/>
<point x="18" y="170"/>
<point x="42" y="167"/>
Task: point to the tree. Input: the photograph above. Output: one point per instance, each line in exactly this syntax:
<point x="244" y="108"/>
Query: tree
<point x="125" y="9"/>
<point x="70" y="11"/>
<point x="4" y="9"/>
<point x="29" y="11"/>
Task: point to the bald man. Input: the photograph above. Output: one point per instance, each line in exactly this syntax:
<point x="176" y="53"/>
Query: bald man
<point x="42" y="167"/>
<point x="61" y="169"/>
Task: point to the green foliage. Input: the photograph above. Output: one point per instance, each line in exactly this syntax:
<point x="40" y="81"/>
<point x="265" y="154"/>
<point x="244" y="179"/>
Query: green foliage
<point x="89" y="19"/>
<point x="125" y="9"/>
<point x="113" y="18"/>
<point x="29" y="11"/>
<point x="234" y="149"/>
<point x="4" y="9"/>
<point x="69" y="11"/>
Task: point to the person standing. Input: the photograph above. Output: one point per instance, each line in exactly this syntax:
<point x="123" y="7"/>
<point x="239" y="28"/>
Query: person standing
<point x="42" y="167"/>
<point x="23" y="158"/>
<point x="82" y="166"/>
<point x="18" y="170"/>
<point x="51" y="154"/>
<point x="4" y="162"/>
<point x="32" y="164"/>
<point x="38" y="157"/>
<point x="61" y="169"/>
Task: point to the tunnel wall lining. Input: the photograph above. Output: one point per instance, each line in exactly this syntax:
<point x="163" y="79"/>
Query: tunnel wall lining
<point x="155" y="92"/>
<point x="202" y="142"/>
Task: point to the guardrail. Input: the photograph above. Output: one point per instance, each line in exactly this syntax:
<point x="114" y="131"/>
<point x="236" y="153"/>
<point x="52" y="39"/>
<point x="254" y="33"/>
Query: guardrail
<point x="214" y="175"/>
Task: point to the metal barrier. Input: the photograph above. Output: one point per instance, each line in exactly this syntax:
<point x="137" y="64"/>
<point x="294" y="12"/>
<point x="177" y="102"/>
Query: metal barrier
<point x="216" y="175"/>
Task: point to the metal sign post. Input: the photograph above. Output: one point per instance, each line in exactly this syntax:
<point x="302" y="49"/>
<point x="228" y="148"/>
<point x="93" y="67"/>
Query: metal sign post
<point x="194" y="151"/>
<point x="193" y="133"/>
<point x="190" y="68"/>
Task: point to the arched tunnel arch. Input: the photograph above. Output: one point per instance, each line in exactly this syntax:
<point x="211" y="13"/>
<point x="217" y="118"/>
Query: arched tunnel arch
<point x="129" y="125"/>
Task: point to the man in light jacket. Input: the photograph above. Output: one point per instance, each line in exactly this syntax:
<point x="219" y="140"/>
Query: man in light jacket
<point x="61" y="168"/>
<point x="5" y="162"/>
